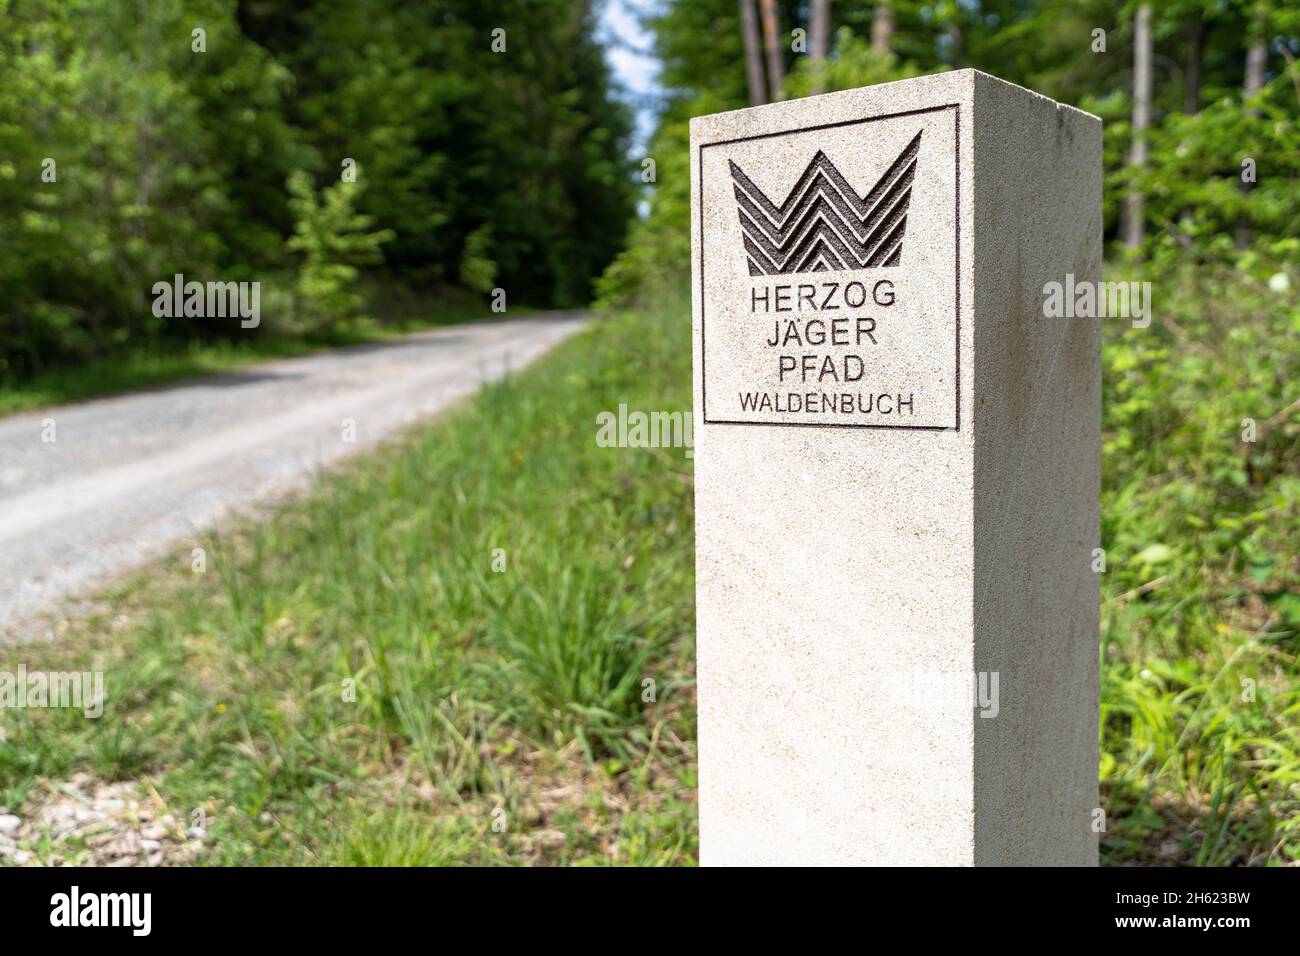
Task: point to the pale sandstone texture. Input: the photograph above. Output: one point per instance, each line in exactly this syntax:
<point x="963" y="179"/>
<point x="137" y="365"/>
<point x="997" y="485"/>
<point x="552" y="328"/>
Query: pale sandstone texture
<point x="897" y="470"/>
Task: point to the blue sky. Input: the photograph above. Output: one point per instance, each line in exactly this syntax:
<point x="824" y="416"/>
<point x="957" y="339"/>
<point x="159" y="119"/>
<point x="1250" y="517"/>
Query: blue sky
<point x="627" y="44"/>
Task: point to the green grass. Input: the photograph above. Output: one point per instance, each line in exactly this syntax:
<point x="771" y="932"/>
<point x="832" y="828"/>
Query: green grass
<point x="1201" y="616"/>
<point x="498" y="717"/>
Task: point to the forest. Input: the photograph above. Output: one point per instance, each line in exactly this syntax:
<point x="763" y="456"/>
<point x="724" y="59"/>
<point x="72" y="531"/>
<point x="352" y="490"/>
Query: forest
<point x="1199" y="99"/>
<point x="353" y="158"/>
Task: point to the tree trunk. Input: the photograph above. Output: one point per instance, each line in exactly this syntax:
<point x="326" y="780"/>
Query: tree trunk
<point x="953" y="36"/>
<point x="1195" y="53"/>
<point x="819" y="37"/>
<point x="753" y="53"/>
<point x="1133" y="223"/>
<point x="1256" y="63"/>
<point x="772" y="37"/>
<point x="1194" y="34"/>
<point x="882" y="29"/>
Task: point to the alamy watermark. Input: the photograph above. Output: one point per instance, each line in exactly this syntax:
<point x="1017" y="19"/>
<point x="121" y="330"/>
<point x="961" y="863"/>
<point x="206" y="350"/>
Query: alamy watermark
<point x="1086" y="299"/>
<point x="75" y="908"/>
<point x="32" y="690"/>
<point x="637" y="429"/>
<point x="945" y="692"/>
<point x="211" y="300"/>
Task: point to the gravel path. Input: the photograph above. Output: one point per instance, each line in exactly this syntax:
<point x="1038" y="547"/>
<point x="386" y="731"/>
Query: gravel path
<point x="127" y="477"/>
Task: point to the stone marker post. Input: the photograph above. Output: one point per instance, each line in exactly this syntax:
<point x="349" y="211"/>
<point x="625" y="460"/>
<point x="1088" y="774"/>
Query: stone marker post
<point x="897" y="470"/>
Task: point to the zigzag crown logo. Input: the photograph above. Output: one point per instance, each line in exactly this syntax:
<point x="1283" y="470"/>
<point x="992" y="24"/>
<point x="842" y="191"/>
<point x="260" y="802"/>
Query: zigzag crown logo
<point x="824" y="224"/>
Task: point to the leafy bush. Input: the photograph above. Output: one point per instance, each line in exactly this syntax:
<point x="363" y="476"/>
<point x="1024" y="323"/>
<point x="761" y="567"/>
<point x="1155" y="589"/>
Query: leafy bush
<point x="333" y="240"/>
<point x="477" y="270"/>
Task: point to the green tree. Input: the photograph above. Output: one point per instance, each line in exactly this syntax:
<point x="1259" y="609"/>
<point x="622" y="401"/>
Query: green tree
<point x="333" y="239"/>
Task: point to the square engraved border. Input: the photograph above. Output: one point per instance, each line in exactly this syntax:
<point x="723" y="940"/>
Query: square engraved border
<point x="704" y="371"/>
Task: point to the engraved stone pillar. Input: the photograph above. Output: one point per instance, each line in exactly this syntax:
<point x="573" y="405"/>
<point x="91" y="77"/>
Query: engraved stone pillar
<point x="897" y="461"/>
